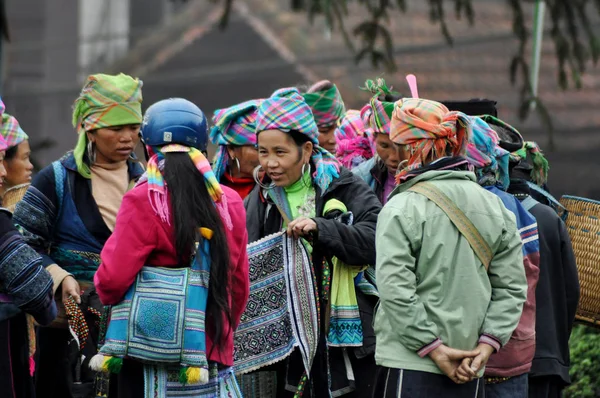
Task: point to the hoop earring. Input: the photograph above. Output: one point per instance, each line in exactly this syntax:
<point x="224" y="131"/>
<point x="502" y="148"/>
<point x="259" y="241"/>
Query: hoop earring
<point x="258" y="181"/>
<point x="237" y="163"/>
<point x="304" y="172"/>
<point x="91" y="152"/>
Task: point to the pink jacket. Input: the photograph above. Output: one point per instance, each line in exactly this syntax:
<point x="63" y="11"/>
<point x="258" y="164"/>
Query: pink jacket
<point x="141" y="238"/>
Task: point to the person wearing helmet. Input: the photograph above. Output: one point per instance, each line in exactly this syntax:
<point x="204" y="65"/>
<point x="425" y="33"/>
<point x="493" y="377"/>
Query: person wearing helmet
<point x="69" y="212"/>
<point x="157" y="226"/>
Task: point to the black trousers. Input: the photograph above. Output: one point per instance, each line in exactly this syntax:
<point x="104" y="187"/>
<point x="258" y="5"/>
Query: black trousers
<point x="15" y="380"/>
<point x="401" y="383"/>
<point x="546" y="387"/>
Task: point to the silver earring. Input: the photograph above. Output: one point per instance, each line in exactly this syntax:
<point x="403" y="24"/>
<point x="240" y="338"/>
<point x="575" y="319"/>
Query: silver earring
<point x="91" y="152"/>
<point x="258" y="181"/>
<point x="237" y="163"/>
<point x="303" y="170"/>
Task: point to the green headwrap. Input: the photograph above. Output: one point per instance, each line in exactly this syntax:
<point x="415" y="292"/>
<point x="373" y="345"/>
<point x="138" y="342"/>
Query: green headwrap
<point x="377" y="114"/>
<point x="105" y="101"/>
<point x="327" y="105"/>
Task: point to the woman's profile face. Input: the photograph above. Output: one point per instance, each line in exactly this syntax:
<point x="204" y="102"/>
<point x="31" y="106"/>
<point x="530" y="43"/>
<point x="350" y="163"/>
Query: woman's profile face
<point x="281" y="158"/>
<point x="247" y="156"/>
<point x="388" y="152"/>
<point x="18" y="167"/>
<point x="327" y="138"/>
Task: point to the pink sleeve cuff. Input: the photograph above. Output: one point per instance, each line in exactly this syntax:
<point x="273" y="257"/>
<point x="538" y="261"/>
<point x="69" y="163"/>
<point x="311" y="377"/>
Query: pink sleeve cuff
<point x="490" y="340"/>
<point x="425" y="350"/>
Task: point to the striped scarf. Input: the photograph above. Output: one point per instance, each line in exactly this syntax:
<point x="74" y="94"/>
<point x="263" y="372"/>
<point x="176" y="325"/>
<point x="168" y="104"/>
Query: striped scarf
<point x="377" y="114"/>
<point x="429" y="130"/>
<point x="285" y="111"/>
<point x="327" y="105"/>
<point x="490" y="161"/>
<point x="232" y="126"/>
<point x="105" y="101"/>
<point x="156" y="184"/>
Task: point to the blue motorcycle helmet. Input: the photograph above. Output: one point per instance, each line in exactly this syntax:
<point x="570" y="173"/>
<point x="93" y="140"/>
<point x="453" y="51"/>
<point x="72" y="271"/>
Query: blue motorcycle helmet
<point x="175" y="121"/>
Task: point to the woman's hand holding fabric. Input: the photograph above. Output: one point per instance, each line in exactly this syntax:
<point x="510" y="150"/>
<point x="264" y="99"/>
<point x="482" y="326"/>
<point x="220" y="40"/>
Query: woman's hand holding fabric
<point x="70" y="287"/>
<point x="301" y="227"/>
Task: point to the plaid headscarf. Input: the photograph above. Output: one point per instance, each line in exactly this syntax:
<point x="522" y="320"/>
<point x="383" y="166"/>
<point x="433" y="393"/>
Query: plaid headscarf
<point x="10" y="131"/>
<point x="353" y="142"/>
<point x="234" y="126"/>
<point x="429" y="130"/>
<point x="377" y="114"/>
<point x="490" y="161"/>
<point x="286" y="110"/>
<point x="156" y="183"/>
<point x="105" y="101"/>
<point x="327" y="105"/>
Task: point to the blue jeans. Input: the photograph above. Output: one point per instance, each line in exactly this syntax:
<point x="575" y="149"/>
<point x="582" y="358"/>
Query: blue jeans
<point x="515" y="387"/>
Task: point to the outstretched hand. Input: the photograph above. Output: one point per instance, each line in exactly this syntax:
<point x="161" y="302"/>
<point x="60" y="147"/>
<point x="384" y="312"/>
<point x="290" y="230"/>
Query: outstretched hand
<point x="450" y="359"/>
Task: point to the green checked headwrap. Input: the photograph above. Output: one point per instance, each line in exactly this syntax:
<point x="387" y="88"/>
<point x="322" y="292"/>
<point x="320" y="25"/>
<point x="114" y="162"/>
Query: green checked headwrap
<point x="377" y="114"/>
<point x="326" y="105"/>
<point x="105" y="101"/>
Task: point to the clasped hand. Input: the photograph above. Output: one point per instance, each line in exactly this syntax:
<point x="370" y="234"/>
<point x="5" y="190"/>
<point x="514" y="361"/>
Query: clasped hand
<point x="459" y="365"/>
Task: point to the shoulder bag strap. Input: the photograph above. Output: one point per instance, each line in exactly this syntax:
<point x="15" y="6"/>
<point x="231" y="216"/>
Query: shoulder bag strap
<point x="529" y="202"/>
<point x="59" y="184"/>
<point x="459" y="219"/>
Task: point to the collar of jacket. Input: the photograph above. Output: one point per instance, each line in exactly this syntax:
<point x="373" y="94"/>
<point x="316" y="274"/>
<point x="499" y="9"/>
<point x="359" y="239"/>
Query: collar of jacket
<point x="435" y="175"/>
<point x="379" y="171"/>
<point x="134" y="168"/>
<point x="518" y="186"/>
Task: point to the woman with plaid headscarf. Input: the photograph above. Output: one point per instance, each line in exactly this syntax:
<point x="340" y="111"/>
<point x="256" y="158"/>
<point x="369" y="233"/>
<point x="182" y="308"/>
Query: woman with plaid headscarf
<point x="307" y="194"/>
<point x="380" y="171"/>
<point x="327" y="106"/>
<point x="16" y="161"/>
<point x="69" y="212"/>
<point x="236" y="157"/>
<point x="445" y="248"/>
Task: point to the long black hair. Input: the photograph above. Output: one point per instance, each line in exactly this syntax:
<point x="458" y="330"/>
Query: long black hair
<point x="192" y="208"/>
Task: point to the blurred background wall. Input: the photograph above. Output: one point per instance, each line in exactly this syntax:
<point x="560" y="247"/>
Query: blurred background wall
<point x="177" y="49"/>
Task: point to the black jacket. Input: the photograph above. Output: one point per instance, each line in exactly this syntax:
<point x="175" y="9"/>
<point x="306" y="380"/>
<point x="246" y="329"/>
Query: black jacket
<point x="557" y="292"/>
<point x="353" y="244"/>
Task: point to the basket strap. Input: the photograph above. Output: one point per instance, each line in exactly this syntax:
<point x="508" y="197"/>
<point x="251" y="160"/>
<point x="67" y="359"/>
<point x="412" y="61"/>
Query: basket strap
<point x="545" y="194"/>
<point x="459" y="219"/>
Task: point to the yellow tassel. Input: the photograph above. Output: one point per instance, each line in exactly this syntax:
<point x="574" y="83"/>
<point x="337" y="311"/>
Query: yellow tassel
<point x="105" y="364"/>
<point x="206" y="233"/>
<point x="197" y="375"/>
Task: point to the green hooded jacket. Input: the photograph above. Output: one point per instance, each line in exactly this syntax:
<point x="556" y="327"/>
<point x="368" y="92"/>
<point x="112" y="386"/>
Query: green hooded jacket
<point x="432" y="286"/>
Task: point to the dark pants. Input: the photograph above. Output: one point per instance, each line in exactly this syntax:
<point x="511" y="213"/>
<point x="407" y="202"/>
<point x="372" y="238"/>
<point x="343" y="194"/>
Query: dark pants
<point x="52" y="363"/>
<point x="401" y="383"/>
<point x="515" y="387"/>
<point x="15" y="380"/>
<point x="546" y="387"/>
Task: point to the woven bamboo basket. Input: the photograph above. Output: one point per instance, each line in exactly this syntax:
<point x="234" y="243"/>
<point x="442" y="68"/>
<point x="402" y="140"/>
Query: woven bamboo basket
<point x="582" y="217"/>
<point x="14" y="195"/>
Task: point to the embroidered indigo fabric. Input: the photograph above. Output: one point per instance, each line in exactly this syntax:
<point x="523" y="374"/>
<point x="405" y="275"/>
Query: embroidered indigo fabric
<point x="281" y="313"/>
